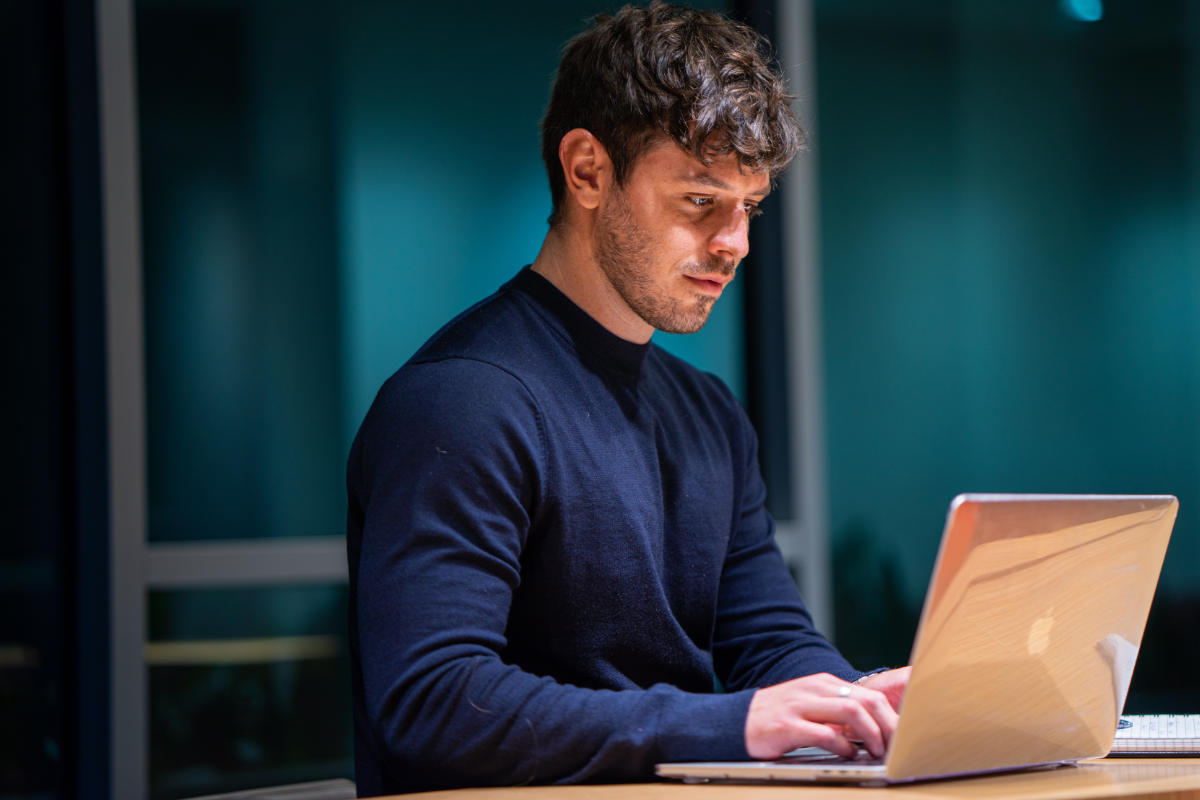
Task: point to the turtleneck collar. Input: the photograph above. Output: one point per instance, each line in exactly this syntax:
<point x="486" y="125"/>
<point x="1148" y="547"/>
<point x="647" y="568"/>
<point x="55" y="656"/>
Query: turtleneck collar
<point x="596" y="344"/>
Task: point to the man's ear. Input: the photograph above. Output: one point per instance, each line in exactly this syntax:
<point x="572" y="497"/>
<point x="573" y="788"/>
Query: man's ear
<point x="586" y="167"/>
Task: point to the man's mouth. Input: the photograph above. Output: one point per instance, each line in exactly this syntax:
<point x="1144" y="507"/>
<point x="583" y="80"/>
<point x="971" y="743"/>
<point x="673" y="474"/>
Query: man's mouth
<point x="708" y="284"/>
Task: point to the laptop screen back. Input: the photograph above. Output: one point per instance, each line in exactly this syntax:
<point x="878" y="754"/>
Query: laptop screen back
<point x="1030" y="630"/>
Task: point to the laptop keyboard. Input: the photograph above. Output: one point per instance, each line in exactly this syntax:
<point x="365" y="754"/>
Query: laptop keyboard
<point x="815" y="755"/>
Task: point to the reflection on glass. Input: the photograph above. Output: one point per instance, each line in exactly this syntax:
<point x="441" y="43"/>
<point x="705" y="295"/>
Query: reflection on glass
<point x="247" y="687"/>
<point x="31" y="698"/>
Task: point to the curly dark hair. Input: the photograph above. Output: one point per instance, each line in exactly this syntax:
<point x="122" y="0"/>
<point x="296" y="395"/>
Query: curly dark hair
<point x="706" y="81"/>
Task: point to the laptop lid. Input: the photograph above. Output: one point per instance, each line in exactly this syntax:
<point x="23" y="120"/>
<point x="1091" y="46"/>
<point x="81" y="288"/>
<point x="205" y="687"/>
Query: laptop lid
<point x="1027" y="639"/>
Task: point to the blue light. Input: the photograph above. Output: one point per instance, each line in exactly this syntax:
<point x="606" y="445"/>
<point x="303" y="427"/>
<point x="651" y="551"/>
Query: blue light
<point x="1083" y="10"/>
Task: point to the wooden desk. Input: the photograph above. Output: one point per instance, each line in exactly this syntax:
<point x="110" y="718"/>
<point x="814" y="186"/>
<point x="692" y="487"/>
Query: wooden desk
<point x="1160" y="778"/>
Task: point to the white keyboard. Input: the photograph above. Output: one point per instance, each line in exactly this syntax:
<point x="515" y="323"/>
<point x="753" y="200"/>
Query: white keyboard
<point x="1153" y="734"/>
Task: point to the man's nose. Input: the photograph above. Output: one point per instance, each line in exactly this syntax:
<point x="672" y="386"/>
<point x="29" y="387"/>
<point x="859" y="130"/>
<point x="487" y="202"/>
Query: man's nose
<point x="731" y="239"/>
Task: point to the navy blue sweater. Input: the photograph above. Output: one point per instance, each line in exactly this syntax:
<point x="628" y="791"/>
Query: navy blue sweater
<point x="557" y="539"/>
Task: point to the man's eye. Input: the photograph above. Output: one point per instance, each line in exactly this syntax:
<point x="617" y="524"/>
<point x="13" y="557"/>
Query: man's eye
<point x="752" y="211"/>
<point x="700" y="202"/>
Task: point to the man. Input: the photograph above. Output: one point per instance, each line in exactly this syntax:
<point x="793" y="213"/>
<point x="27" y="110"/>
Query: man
<point x="556" y="532"/>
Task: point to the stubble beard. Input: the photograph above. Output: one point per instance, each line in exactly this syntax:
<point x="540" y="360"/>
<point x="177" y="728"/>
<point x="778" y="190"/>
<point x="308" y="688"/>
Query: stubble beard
<point x="625" y="253"/>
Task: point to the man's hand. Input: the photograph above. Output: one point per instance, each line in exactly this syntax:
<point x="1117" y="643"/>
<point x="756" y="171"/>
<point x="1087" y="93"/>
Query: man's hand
<point x="892" y="683"/>
<point x="824" y="711"/>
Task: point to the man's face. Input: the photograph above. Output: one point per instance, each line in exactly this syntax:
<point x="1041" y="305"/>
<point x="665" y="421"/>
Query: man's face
<point x="671" y="238"/>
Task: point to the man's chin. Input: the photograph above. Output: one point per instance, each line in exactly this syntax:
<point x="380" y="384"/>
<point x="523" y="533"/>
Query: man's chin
<point x="679" y="323"/>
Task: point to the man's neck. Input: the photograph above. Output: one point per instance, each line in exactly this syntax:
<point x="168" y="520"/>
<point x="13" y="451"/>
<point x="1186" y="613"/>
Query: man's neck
<point x="567" y="261"/>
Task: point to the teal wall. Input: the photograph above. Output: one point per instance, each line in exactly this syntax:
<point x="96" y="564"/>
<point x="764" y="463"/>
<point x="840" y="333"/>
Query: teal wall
<point x="1010" y="223"/>
<point x="239" y="248"/>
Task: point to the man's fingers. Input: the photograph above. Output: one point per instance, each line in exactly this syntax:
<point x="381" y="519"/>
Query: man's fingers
<point x="866" y="713"/>
<point x="892" y="683"/>
<point x="853" y="714"/>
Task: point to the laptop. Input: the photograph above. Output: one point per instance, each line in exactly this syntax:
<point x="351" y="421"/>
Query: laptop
<point x="1025" y="647"/>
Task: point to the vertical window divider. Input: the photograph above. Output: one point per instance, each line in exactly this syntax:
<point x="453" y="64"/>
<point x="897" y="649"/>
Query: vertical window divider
<point x="804" y="539"/>
<point x="126" y="397"/>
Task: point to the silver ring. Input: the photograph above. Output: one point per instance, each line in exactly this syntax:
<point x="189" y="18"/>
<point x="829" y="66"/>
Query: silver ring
<point x="844" y="691"/>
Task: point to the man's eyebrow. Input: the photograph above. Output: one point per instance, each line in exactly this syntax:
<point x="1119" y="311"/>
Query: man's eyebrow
<point x="715" y="182"/>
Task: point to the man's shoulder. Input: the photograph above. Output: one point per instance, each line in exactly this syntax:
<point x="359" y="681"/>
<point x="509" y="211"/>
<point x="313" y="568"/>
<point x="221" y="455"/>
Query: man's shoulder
<point x="453" y="397"/>
<point x="479" y="332"/>
<point x="506" y="330"/>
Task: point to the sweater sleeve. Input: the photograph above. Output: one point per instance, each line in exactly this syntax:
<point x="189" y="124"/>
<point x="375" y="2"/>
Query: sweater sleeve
<point x="764" y="635"/>
<point x="445" y="477"/>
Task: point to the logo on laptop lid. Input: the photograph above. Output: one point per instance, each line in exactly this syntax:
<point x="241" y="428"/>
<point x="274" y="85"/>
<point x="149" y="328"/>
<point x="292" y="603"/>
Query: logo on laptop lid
<point x="1039" y="633"/>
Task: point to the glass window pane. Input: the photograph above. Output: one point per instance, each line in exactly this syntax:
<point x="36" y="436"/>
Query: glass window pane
<point x="241" y="294"/>
<point x="248" y="687"/>
<point x="1009" y="203"/>
<point x="319" y="196"/>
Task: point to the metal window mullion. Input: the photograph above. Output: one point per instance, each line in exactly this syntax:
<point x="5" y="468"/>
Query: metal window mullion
<point x="126" y="397"/>
<point x="803" y="301"/>
<point x="245" y="562"/>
